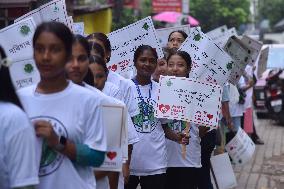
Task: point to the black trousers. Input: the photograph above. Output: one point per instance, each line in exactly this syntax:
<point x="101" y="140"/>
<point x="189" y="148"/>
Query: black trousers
<point x="147" y="182"/>
<point x="182" y="178"/>
<point x="207" y="147"/>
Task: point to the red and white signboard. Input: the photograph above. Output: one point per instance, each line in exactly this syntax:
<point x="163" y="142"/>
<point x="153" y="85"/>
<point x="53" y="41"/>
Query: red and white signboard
<point x="166" y="5"/>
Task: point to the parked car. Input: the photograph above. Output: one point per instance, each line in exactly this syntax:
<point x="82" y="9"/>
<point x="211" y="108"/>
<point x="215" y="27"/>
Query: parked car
<point x="273" y="56"/>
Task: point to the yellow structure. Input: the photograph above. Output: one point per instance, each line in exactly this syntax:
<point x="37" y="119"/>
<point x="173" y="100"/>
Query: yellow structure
<point x="95" y="19"/>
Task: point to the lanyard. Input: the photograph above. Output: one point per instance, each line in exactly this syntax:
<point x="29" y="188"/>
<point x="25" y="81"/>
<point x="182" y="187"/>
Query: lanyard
<point x="145" y="105"/>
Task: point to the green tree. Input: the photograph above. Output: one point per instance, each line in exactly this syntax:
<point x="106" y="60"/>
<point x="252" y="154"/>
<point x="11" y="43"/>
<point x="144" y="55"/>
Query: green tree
<point x="273" y="10"/>
<point x="214" y="13"/>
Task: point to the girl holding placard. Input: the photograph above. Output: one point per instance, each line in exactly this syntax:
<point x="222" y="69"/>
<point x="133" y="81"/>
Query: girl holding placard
<point x="18" y="167"/>
<point x="71" y="140"/>
<point x="149" y="162"/>
<point x="182" y="172"/>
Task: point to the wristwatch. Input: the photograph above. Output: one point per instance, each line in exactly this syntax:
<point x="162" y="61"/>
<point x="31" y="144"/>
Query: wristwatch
<point x="62" y="144"/>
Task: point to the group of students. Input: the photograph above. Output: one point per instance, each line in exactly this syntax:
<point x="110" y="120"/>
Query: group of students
<point x="52" y="133"/>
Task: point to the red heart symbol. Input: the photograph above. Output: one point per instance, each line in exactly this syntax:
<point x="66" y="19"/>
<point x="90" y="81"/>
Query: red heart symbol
<point x="111" y="155"/>
<point x="164" y="108"/>
<point x="210" y="116"/>
<point x="114" y="67"/>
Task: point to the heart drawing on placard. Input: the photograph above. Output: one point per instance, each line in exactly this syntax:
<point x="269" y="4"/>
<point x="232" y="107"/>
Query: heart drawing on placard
<point x="164" y="108"/>
<point x="113" y="67"/>
<point x="210" y="116"/>
<point x="111" y="155"/>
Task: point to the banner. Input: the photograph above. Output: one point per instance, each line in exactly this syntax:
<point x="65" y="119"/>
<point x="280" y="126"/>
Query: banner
<point x="241" y="55"/>
<point x="24" y="73"/>
<point x="262" y="63"/>
<point x="114" y="118"/>
<point x="163" y="33"/>
<point x="221" y="35"/>
<point x="17" y="39"/>
<point x="210" y="63"/>
<point x="125" y="41"/>
<point x="255" y="46"/>
<point x="189" y="100"/>
<point x="222" y="171"/>
<point x="166" y="5"/>
<point x="52" y="11"/>
<point x="240" y="148"/>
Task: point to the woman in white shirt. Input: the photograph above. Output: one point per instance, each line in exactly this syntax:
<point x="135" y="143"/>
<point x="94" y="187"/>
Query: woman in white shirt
<point x="18" y="167"/>
<point x="67" y="118"/>
<point x="182" y="173"/>
<point x="149" y="157"/>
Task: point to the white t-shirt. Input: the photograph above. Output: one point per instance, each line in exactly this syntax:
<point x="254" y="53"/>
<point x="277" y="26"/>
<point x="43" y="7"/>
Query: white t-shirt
<point x="128" y="91"/>
<point x="193" y="149"/>
<point x="149" y="154"/>
<point x="112" y="90"/>
<point x="18" y="165"/>
<point x="76" y="114"/>
<point x="236" y="109"/>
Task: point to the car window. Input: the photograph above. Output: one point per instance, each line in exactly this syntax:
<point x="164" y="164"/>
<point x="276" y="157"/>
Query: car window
<point x="275" y="57"/>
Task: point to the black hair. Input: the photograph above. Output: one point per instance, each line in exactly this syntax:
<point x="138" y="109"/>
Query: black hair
<point x="100" y="61"/>
<point x="184" y="55"/>
<point x="7" y="90"/>
<point x="101" y="37"/>
<point x="97" y="47"/>
<point x="89" y="78"/>
<point x="141" y="49"/>
<point x="59" y="30"/>
<point x="83" y="41"/>
<point x="184" y="35"/>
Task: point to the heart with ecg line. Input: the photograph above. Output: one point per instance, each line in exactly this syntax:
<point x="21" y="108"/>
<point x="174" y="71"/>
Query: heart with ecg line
<point x="164" y="108"/>
<point x="111" y="155"/>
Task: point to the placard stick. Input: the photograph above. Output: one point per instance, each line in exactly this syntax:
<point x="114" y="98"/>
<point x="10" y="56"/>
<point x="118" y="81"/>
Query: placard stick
<point x="187" y="128"/>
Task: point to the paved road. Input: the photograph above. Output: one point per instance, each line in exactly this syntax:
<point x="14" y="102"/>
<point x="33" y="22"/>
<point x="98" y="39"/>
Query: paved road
<point x="266" y="169"/>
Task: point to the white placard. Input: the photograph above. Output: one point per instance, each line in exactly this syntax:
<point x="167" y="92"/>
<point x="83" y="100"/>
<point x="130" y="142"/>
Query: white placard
<point x="223" y="171"/>
<point x="114" y="118"/>
<point x="52" y="11"/>
<point x="262" y="63"/>
<point x="254" y="45"/>
<point x="209" y="62"/>
<point x="24" y="73"/>
<point x="16" y="39"/>
<point x="241" y="148"/>
<point x="221" y="34"/>
<point x="163" y="33"/>
<point x="78" y="28"/>
<point x="241" y="55"/>
<point x="189" y="100"/>
<point x="125" y="41"/>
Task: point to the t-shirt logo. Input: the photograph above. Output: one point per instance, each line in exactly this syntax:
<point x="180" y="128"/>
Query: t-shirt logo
<point x="50" y="159"/>
<point x="145" y="121"/>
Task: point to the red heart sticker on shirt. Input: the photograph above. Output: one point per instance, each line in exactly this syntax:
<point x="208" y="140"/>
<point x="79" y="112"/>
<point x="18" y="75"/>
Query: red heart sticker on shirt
<point x="111" y="155"/>
<point x="114" y="67"/>
<point x="164" y="108"/>
<point x="210" y="116"/>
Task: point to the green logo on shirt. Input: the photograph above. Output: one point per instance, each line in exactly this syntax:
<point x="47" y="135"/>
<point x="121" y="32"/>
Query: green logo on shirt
<point x="50" y="159"/>
<point x="145" y="121"/>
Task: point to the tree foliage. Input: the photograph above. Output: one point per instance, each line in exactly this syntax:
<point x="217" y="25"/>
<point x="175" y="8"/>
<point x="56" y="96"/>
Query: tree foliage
<point x="214" y="13"/>
<point x="273" y="10"/>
